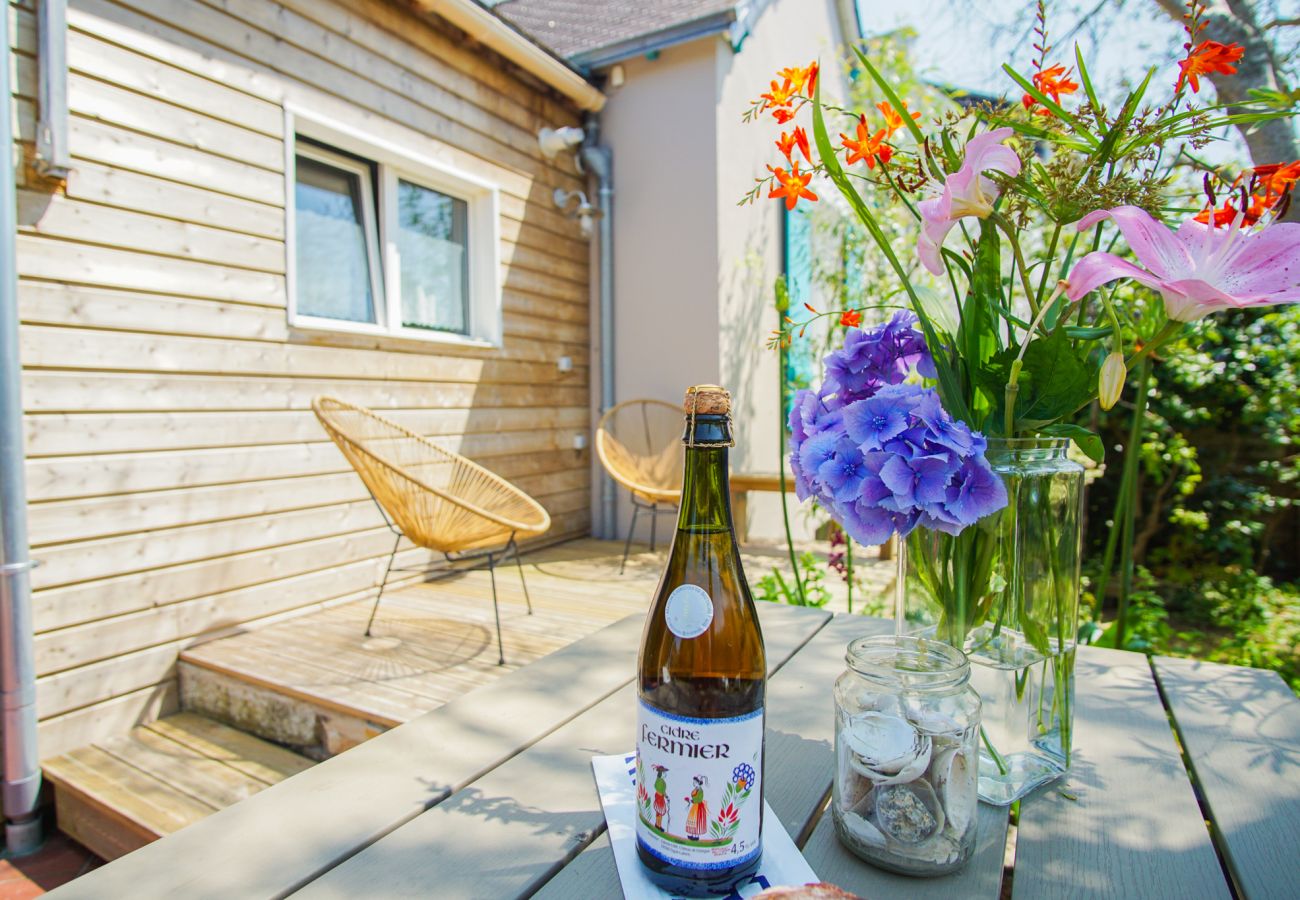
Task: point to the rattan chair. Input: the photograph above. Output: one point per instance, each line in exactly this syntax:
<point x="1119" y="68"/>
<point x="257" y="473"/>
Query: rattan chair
<point x="436" y="498"/>
<point x="639" y="442"/>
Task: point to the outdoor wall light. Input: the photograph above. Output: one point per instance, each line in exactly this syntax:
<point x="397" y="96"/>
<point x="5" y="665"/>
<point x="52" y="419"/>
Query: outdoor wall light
<point x="585" y="213"/>
<point x="555" y="141"/>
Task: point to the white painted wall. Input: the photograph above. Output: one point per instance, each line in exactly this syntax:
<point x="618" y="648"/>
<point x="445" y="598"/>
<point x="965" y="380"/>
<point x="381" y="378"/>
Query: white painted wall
<point x="693" y="272"/>
<point x="661" y="129"/>
<point x="789" y="33"/>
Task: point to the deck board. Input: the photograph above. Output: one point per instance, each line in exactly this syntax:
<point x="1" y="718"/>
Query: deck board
<point x="125" y="792"/>
<point x="433" y="641"/>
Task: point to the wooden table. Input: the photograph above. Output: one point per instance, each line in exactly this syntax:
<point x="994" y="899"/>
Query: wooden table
<point x="742" y="483"/>
<point x="492" y="795"/>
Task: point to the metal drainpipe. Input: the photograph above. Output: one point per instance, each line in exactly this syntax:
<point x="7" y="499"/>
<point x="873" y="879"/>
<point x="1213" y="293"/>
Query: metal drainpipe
<point x="599" y="160"/>
<point x="22" y="771"/>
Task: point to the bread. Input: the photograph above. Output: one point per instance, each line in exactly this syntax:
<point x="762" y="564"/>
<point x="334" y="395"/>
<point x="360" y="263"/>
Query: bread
<point x="819" y="891"/>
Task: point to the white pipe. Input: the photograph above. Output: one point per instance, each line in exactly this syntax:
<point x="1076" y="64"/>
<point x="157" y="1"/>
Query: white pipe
<point x="490" y="31"/>
<point x="22" y="772"/>
<point x="599" y="160"/>
<point x="52" y="157"/>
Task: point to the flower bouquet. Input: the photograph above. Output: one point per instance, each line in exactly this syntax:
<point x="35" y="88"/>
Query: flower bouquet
<point x="949" y="425"/>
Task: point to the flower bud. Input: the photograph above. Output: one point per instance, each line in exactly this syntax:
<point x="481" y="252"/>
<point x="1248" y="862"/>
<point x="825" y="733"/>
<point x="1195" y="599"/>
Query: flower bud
<point x="1111" y="381"/>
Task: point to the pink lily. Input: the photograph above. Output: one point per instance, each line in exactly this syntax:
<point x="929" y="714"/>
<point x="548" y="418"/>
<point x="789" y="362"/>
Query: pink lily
<point x="966" y="192"/>
<point x="1197" y="269"/>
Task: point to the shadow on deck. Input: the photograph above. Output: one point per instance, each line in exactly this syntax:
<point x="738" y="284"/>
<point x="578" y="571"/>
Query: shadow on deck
<point x="318" y="684"/>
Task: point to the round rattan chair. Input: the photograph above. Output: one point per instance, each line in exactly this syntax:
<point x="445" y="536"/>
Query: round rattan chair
<point x="436" y="498"/>
<point x="639" y="442"/>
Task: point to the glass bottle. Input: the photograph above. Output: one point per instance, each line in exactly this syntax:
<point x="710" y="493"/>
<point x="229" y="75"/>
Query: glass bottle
<point x="702" y="682"/>
<point x="906" y="749"/>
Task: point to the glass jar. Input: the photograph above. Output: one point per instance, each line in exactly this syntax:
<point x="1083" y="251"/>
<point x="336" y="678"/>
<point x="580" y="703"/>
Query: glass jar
<point x="1006" y="591"/>
<point x="906" y="732"/>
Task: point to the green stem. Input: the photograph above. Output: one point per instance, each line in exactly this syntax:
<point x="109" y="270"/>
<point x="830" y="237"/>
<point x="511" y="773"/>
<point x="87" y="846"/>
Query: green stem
<point x="782" y="358"/>
<point x="1047" y="264"/>
<point x="1131" y="454"/>
<point x="1002" y="223"/>
<point x="997" y="757"/>
<point x="848" y="566"/>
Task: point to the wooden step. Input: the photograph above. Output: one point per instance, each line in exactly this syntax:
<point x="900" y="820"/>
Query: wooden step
<point x="118" y="795"/>
<point x="318" y="684"/>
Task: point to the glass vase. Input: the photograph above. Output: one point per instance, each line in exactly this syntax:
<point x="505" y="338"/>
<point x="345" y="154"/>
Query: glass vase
<point x="1006" y="591"/>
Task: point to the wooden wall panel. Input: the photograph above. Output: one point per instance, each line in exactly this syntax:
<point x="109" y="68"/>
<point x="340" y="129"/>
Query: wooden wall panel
<point x="179" y="484"/>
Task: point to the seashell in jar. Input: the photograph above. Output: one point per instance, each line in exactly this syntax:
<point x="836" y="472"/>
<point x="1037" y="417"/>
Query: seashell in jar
<point x="935" y="724"/>
<point x="853" y="785"/>
<point x="940" y="849"/>
<point x="862" y="829"/>
<point x="908" y="813"/>
<point x="953" y="778"/>
<point x="886" y="749"/>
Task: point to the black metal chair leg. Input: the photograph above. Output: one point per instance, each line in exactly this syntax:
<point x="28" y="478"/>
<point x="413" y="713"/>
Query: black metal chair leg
<point x="492" y="574"/>
<point x="654" y="521"/>
<point x="513" y="545"/>
<point x="383" y="584"/>
<point x="631" y="529"/>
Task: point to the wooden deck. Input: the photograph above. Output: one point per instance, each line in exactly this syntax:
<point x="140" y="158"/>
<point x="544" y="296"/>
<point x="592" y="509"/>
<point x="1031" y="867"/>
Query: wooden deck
<point x="117" y="795"/>
<point x="318" y="684"/>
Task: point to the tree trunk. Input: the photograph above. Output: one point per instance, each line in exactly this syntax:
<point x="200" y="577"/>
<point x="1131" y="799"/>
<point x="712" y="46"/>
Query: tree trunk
<point x="1234" y="22"/>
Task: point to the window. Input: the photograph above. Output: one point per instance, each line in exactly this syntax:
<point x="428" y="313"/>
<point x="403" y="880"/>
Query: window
<point x="431" y="254"/>
<point x="337" y="267"/>
<point x="385" y="242"/>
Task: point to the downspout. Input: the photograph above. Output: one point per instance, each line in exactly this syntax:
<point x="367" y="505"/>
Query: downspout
<point x="22" y="772"/>
<point x="599" y="161"/>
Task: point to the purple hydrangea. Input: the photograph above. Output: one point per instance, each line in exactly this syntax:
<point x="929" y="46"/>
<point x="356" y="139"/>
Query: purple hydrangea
<point x="881" y="455"/>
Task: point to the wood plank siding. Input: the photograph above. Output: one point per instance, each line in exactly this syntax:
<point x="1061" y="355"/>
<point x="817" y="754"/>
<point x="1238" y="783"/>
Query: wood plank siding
<point x="179" y="484"/>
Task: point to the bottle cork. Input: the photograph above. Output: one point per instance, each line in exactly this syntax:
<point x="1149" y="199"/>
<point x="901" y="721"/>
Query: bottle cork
<point x="707" y="400"/>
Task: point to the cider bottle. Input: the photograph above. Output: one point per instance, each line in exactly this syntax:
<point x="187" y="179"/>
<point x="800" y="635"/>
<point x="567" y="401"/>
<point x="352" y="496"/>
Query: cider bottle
<point x="702" y="682"/>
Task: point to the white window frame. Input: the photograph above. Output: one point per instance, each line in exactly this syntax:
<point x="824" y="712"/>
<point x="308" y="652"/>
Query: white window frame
<point x="393" y="162"/>
<point x="369" y="232"/>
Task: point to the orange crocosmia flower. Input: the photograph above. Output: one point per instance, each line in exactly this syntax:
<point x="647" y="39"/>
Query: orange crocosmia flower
<point x="868" y="147"/>
<point x="785" y="143"/>
<point x="1055" y="81"/>
<point x="779" y="96"/>
<point x="1052" y="81"/>
<point x="851" y="318"/>
<point x="801" y="140"/>
<point x="803" y="79"/>
<point x="791" y="139"/>
<point x="1218" y="217"/>
<point x="1276" y="178"/>
<point x="791" y="185"/>
<point x="1259" y="205"/>
<point x="1209" y="57"/>
<point x="1227" y="214"/>
<point x="782" y="115"/>
<point x="893" y="119"/>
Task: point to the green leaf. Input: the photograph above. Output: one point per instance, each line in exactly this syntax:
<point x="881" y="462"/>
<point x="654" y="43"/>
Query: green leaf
<point x="949" y="385"/>
<point x="1087" y="82"/>
<point x="1079" y="128"/>
<point x="889" y="93"/>
<point x="1114" y="133"/>
<point x="1089" y="442"/>
<point x="1081" y="333"/>
<point x="976" y="337"/>
<point x="1054" y="381"/>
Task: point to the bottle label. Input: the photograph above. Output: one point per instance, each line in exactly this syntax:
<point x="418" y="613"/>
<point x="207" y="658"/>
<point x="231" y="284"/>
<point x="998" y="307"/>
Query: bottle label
<point x="689" y="611"/>
<point x="699" y="801"/>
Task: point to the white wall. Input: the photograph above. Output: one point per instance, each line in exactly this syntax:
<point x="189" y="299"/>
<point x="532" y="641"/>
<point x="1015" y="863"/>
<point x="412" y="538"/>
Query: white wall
<point x="789" y="33"/>
<point x="694" y="272"/>
<point x="660" y="125"/>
